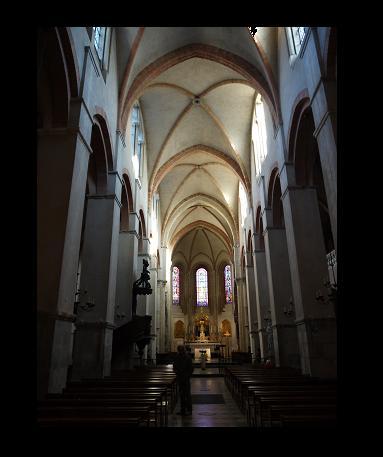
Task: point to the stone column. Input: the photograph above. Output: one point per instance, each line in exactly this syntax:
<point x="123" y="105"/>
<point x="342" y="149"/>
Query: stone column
<point x="285" y="341"/>
<point x="315" y="320"/>
<point x="93" y="338"/>
<point x="161" y="304"/>
<point x="252" y="305"/>
<point x="324" y="117"/>
<point x="152" y="306"/>
<point x="62" y="163"/>
<point x="242" y="321"/>
<point x="262" y="297"/>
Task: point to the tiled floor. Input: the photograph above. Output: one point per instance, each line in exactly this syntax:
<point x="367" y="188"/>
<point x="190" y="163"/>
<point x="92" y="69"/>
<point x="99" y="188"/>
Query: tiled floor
<point x="210" y="415"/>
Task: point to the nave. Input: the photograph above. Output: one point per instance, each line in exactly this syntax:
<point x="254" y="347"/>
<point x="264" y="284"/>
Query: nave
<point x="205" y="414"/>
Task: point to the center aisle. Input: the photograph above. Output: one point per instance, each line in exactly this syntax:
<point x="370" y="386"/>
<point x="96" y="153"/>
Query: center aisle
<point x="207" y="414"/>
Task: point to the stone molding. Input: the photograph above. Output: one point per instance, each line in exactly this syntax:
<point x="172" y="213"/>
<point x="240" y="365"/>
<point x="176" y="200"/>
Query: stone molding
<point x="322" y="122"/>
<point x="313" y="319"/>
<point x="104" y="196"/>
<point x="57" y="316"/>
<point x="95" y="324"/>
<point x="115" y="172"/>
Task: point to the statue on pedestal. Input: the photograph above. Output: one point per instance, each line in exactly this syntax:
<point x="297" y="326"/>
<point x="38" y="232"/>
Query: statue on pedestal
<point x="202" y="336"/>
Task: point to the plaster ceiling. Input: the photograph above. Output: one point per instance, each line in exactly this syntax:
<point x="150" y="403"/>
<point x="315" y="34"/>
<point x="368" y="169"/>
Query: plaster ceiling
<point x="198" y="150"/>
<point x="201" y="245"/>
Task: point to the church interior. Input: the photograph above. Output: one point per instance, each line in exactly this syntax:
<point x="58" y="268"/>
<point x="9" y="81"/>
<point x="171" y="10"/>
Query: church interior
<point x="186" y="195"/>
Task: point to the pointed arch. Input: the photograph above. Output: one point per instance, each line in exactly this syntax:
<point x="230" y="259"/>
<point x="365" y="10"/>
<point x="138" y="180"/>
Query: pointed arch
<point x="203" y="51"/>
<point x="301" y="103"/>
<point x="167" y="167"/>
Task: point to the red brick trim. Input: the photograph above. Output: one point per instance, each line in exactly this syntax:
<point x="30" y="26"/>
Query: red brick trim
<point x="201" y="224"/>
<point x="204" y="51"/>
<point x="156" y="179"/>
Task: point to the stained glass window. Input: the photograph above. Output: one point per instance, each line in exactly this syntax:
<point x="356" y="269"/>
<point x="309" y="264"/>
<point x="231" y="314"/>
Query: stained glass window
<point x="176" y="286"/>
<point x="201" y="281"/>
<point x="228" y="290"/>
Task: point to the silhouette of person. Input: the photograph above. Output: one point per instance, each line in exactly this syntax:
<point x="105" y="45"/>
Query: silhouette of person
<point x="183" y="367"/>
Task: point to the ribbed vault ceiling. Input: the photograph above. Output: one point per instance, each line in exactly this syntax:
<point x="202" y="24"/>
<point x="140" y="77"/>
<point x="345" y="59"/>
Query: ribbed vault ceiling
<point x="197" y="115"/>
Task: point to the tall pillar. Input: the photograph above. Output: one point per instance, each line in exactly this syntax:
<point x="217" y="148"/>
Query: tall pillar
<point x="262" y="298"/>
<point x="315" y="321"/>
<point x="252" y="305"/>
<point x="242" y="312"/>
<point x="152" y="307"/>
<point x="93" y="338"/>
<point x="286" y="351"/>
<point x="161" y="305"/>
<point x="324" y="114"/>
<point x="62" y="163"/>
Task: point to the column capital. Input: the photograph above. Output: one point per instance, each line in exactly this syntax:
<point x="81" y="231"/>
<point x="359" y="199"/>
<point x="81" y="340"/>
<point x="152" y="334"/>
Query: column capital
<point x="115" y="172"/>
<point x="57" y="316"/>
<point x="95" y="324"/>
<point x="295" y="189"/>
<point x="103" y="197"/>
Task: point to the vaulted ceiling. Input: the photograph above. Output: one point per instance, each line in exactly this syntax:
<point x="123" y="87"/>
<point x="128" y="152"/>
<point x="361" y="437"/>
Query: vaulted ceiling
<point x="196" y="87"/>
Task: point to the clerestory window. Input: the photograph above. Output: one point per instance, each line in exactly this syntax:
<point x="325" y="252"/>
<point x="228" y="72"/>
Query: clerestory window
<point x="101" y="41"/>
<point x="295" y="38"/>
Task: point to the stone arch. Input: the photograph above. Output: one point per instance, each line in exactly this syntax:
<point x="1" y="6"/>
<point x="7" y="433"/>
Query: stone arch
<point x="275" y="200"/>
<point x="204" y="51"/>
<point x="250" y="249"/>
<point x="53" y="82"/>
<point x="127" y="203"/>
<point x="69" y="52"/>
<point x="308" y="169"/>
<point x="301" y="103"/>
<point x="142" y="219"/>
<point x="259" y="230"/>
<point x="159" y="174"/>
<point x="97" y="180"/>
<point x="101" y="119"/>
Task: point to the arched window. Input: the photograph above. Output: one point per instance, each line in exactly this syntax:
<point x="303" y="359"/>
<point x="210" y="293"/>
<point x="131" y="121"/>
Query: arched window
<point x="243" y="203"/>
<point x="137" y="139"/>
<point x="259" y="134"/>
<point x="228" y="289"/>
<point x="176" y="286"/>
<point x="101" y="41"/>
<point x="202" y="288"/>
<point x="295" y="37"/>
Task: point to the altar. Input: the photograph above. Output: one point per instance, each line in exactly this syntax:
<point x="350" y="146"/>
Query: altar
<point x="196" y="348"/>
